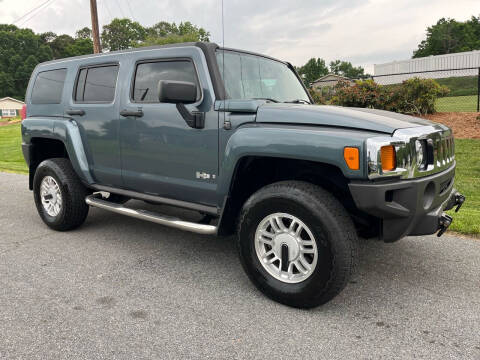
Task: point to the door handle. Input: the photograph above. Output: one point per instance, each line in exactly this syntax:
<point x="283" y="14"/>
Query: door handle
<point x="76" y="112"/>
<point x="136" y="113"/>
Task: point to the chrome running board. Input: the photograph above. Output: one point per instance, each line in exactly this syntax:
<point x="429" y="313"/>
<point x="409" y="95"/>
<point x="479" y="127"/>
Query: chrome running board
<point x="151" y="216"/>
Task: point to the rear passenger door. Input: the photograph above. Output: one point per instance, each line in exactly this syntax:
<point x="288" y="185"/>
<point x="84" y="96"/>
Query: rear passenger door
<point x="94" y="107"/>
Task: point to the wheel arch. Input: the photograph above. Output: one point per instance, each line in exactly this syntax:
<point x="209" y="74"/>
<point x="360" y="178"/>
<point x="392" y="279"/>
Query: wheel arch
<point x="268" y="170"/>
<point x="44" y="139"/>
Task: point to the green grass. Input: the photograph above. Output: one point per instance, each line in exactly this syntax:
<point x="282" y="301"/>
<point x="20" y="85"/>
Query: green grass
<point x="457" y="103"/>
<point x="467" y="180"/>
<point x="11" y="157"/>
<point x="460" y="86"/>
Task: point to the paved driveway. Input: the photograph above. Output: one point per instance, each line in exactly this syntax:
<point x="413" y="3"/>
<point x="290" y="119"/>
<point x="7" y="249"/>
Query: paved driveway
<point x="126" y="289"/>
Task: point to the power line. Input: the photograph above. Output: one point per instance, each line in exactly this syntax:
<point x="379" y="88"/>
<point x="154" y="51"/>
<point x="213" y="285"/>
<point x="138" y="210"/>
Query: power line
<point x="30" y="11"/>
<point x="104" y="3"/>
<point x="48" y="3"/>
<point x="121" y="10"/>
<point x="130" y="9"/>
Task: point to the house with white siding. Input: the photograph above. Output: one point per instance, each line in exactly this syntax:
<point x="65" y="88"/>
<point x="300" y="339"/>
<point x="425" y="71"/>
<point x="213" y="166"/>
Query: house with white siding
<point x="10" y="107"/>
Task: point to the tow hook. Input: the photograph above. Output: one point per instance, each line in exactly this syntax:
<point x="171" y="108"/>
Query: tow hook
<point x="459" y="200"/>
<point x="443" y="223"/>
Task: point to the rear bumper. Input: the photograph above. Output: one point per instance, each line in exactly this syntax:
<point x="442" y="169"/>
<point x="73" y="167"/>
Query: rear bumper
<point x="407" y="207"/>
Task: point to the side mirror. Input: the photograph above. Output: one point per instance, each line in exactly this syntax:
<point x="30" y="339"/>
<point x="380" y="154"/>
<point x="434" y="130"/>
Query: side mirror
<point x="181" y="93"/>
<point x="177" y="92"/>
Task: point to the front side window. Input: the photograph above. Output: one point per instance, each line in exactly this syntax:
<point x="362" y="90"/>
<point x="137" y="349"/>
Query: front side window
<point x="147" y="76"/>
<point x="96" y="84"/>
<point x="247" y="76"/>
<point x="48" y="87"/>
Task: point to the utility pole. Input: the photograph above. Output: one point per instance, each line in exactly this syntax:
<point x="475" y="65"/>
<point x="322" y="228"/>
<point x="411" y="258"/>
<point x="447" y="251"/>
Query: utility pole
<point x="95" y="32"/>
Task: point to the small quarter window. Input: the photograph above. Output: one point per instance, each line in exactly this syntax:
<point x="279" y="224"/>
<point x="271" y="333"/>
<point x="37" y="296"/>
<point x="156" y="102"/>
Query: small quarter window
<point x="48" y="87"/>
<point x="96" y="84"/>
<point x="149" y="74"/>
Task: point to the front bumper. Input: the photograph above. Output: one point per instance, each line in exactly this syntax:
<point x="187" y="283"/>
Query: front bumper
<point x="407" y="207"/>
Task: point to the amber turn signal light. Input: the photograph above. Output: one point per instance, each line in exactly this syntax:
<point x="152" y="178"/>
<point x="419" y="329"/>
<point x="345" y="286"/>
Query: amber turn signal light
<point x="388" y="158"/>
<point x="352" y="157"/>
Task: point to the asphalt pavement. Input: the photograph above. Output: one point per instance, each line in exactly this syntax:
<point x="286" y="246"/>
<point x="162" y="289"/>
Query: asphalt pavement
<point x="121" y="288"/>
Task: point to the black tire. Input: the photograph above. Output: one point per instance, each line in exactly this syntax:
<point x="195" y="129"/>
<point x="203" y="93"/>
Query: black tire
<point x="328" y="221"/>
<point x="74" y="210"/>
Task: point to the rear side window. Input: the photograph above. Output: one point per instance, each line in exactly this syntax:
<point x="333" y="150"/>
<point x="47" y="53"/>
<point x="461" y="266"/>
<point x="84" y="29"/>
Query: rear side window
<point x="96" y="84"/>
<point x="48" y="87"/>
<point x="148" y="75"/>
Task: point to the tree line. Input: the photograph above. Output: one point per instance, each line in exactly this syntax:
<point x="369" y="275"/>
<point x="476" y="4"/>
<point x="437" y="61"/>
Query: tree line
<point x="22" y="49"/>
<point x="449" y="36"/>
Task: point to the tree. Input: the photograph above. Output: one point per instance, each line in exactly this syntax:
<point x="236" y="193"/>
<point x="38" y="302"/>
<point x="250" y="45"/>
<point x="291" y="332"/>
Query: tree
<point x="59" y="45"/>
<point x="312" y="70"/>
<point x="79" y="47"/>
<point x="122" y="34"/>
<point x="7" y="85"/>
<point x="169" y="33"/>
<point x="21" y="50"/>
<point x="450" y="36"/>
<point x="345" y="68"/>
<point x="84" y="33"/>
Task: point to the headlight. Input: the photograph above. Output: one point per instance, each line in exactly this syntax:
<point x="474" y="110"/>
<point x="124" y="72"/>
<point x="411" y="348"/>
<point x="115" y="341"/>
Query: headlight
<point x="421" y="153"/>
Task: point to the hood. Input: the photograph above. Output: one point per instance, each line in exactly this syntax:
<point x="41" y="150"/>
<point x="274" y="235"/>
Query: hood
<point x="324" y="115"/>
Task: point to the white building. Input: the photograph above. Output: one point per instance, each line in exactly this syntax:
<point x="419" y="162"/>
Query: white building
<point x="468" y="62"/>
<point x="10" y="107"/>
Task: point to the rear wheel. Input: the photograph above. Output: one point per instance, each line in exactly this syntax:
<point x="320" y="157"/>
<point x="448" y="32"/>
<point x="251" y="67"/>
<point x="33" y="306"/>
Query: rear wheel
<point x="59" y="195"/>
<point x="297" y="243"/>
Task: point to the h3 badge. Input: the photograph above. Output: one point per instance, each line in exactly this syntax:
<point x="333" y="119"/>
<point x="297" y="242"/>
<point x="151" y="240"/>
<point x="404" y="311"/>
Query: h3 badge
<point x="203" y="175"/>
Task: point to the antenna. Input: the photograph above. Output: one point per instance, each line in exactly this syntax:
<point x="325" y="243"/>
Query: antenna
<point x="223" y="43"/>
<point x="223" y="63"/>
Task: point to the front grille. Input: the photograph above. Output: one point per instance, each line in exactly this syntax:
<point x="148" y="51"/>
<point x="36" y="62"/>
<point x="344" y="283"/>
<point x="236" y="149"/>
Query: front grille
<point x="440" y="149"/>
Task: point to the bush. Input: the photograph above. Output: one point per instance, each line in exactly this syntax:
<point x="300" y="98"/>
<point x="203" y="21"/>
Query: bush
<point x="413" y="96"/>
<point x="317" y="97"/>
<point x="418" y="96"/>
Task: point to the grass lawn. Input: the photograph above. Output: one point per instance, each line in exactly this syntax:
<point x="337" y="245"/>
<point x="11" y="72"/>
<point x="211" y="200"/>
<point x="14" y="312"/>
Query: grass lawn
<point x="467" y="181"/>
<point x="456" y="103"/>
<point x="11" y="157"/>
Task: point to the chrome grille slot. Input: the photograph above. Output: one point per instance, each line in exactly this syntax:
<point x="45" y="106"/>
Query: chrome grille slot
<point x="440" y="148"/>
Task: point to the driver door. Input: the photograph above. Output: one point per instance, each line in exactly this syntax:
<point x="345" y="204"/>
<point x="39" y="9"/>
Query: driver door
<point x="161" y="154"/>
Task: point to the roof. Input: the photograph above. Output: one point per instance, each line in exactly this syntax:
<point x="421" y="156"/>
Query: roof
<point x="12" y="99"/>
<point x="334" y="75"/>
<point x="139" y="49"/>
<point x="199" y="44"/>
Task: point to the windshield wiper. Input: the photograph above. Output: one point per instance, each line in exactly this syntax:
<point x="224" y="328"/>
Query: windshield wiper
<point x="298" y="101"/>
<point x="268" y="99"/>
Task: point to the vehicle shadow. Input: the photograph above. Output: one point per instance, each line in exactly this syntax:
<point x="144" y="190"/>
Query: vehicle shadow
<point x="422" y="267"/>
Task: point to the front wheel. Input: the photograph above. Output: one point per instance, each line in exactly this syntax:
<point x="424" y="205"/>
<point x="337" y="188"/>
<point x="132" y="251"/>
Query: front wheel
<point x="297" y="243"/>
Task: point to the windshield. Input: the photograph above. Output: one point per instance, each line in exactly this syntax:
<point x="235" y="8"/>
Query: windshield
<point x="255" y="77"/>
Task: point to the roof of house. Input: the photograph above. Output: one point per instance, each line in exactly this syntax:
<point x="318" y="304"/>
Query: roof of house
<point x="334" y="75"/>
<point x="12" y="99"/>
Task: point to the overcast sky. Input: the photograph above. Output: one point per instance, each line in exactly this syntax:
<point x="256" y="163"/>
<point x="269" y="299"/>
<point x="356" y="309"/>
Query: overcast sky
<point x="363" y="32"/>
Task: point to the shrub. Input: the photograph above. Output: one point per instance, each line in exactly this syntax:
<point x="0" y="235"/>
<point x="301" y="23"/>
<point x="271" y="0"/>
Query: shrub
<point x="413" y="96"/>
<point x="364" y="93"/>
<point x="317" y="97"/>
<point x="418" y="96"/>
